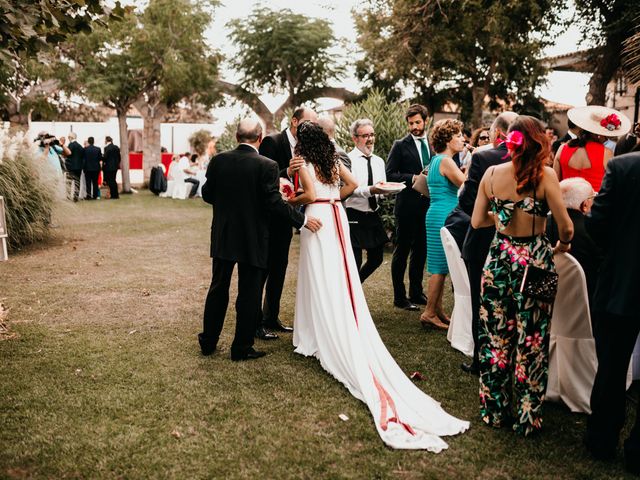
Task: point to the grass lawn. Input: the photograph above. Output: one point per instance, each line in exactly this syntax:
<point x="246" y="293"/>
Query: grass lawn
<point x="105" y="378"/>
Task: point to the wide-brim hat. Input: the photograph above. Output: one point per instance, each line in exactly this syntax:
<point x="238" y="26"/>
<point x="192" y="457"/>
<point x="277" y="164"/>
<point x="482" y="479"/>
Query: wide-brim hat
<point x="600" y="120"/>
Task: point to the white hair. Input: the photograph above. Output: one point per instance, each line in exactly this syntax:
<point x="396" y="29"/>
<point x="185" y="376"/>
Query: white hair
<point x="72" y="136"/>
<point x="575" y="191"/>
<point x="355" y="126"/>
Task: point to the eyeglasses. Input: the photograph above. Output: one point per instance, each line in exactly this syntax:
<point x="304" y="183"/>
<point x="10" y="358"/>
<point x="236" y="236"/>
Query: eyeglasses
<point x="366" y="135"/>
<point x="483" y="137"/>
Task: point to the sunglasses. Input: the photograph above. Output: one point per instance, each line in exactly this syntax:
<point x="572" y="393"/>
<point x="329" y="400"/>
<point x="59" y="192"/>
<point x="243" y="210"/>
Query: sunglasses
<point x="483" y="137"/>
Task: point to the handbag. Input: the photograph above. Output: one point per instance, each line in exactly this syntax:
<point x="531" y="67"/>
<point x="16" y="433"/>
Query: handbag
<point x="538" y="283"/>
<point x="420" y="182"/>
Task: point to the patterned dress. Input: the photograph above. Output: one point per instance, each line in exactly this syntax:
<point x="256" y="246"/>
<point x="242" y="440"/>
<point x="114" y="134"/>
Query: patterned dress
<point x="443" y="199"/>
<point x="514" y="330"/>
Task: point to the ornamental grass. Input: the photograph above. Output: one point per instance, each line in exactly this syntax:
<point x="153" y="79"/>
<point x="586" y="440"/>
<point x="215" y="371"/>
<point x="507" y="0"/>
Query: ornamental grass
<point x="31" y="190"/>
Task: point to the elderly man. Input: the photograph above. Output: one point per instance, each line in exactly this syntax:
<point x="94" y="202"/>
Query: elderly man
<point x="280" y="148"/>
<point x="367" y="231"/>
<point x="240" y="234"/>
<point x="578" y="195"/>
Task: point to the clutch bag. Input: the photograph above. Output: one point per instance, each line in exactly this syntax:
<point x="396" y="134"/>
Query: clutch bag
<point x="420" y="185"/>
<point x="539" y="284"/>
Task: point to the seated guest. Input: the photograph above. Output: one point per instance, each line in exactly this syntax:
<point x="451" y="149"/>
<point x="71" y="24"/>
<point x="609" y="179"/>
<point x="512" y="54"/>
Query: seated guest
<point x="189" y="173"/>
<point x="586" y="156"/>
<point x="577" y="195"/>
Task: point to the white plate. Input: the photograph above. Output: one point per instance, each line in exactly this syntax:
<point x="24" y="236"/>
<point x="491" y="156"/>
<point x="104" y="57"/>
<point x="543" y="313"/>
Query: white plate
<point x="392" y="187"/>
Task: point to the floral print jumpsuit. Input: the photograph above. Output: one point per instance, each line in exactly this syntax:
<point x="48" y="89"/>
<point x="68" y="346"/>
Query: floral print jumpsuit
<point x="514" y="330"/>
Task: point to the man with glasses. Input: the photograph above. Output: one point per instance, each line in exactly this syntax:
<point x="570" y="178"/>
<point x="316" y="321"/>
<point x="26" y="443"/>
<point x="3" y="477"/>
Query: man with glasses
<point x="407" y="158"/>
<point x="365" y="224"/>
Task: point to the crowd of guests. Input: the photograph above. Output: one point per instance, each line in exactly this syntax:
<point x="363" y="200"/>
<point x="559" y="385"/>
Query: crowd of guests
<point x="190" y="168"/>
<point x="512" y="195"/>
<point x="82" y="161"/>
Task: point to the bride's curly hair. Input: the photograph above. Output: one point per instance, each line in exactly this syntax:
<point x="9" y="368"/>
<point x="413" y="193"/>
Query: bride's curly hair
<point x="316" y="148"/>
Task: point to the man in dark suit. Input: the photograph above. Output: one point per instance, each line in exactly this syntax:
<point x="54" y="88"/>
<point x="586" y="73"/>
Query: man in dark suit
<point x="92" y="159"/>
<point x="74" y="163"/>
<point x="614" y="224"/>
<point x="477" y="242"/>
<point x="279" y="147"/>
<point x="110" y="166"/>
<point x="407" y="158"/>
<point x="243" y="188"/>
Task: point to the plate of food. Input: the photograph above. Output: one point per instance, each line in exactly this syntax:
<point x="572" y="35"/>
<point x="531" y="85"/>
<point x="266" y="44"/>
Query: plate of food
<point x="391" y="187"/>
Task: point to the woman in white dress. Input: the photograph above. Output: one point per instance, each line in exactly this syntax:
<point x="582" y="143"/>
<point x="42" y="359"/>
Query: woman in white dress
<point x="332" y="320"/>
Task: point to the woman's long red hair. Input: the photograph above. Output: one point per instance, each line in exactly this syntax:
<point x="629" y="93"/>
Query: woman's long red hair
<point x="530" y="157"/>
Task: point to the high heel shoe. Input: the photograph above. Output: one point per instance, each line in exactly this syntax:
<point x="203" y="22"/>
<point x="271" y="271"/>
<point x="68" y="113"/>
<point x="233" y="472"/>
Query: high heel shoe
<point x="432" y="322"/>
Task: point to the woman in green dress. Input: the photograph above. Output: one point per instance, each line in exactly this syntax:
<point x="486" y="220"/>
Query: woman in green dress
<point x="444" y="179"/>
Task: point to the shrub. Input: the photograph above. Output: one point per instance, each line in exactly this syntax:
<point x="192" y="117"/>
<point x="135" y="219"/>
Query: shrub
<point x="227" y="140"/>
<point x="30" y="193"/>
<point x="199" y="140"/>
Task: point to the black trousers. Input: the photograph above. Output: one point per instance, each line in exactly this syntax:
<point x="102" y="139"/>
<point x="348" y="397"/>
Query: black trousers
<point x="74" y="176"/>
<point x="91" y="180"/>
<point x="247" y="303"/>
<point x="615" y="337"/>
<point x="411" y="238"/>
<point x="280" y="234"/>
<point x="110" y="179"/>
<point x="194" y="185"/>
<point x="374" y="260"/>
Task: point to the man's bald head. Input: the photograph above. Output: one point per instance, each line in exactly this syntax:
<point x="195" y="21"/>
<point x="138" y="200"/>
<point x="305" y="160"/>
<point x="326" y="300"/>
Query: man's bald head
<point x="328" y="125"/>
<point x="500" y="126"/>
<point x="301" y="114"/>
<point x="249" y="131"/>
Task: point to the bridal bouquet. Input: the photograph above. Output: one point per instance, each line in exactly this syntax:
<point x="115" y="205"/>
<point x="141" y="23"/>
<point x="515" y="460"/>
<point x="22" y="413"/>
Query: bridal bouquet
<point x="286" y="189"/>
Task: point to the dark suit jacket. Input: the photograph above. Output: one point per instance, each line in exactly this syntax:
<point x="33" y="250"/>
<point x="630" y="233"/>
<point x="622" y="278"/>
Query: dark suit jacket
<point x="614" y="224"/>
<point x="75" y="161"/>
<point x="583" y="248"/>
<point x="243" y="188"/>
<point x="92" y="157"/>
<point x="111" y="161"/>
<point x="477" y="242"/>
<point x="402" y="164"/>
<point x="277" y="147"/>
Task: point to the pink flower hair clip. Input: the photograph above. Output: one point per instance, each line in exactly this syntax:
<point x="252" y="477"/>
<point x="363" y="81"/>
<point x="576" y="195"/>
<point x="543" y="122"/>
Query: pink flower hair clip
<point x="514" y="139"/>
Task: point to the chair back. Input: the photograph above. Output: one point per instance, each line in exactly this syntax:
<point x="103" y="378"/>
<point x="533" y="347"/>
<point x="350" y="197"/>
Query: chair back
<point x="571" y="316"/>
<point x="457" y="269"/>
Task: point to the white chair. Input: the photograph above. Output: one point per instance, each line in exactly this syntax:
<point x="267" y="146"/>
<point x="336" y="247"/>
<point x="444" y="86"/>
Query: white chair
<point x="459" y="335"/>
<point x="572" y="349"/>
<point x="176" y="187"/>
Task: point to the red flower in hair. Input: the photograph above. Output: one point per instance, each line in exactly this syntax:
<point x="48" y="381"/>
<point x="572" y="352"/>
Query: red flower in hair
<point x="514" y="139"/>
<point x="611" y="122"/>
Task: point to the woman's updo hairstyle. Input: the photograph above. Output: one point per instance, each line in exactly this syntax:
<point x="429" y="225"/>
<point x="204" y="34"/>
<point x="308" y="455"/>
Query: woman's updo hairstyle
<point x="529" y="149"/>
<point x="443" y="131"/>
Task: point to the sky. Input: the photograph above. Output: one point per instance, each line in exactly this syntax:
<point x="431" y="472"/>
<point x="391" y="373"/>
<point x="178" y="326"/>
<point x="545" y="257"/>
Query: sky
<point x="561" y="87"/>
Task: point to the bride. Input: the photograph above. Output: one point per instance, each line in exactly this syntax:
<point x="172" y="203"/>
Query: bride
<point x="332" y="320"/>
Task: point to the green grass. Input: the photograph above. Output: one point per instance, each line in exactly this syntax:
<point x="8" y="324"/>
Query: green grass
<point x="106" y="372"/>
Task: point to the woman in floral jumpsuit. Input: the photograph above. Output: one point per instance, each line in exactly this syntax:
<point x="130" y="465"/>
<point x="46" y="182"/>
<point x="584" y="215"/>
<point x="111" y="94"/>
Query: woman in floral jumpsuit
<point x="514" y="330"/>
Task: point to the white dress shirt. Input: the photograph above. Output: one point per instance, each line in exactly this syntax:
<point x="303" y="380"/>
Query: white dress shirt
<point x="360" y="198"/>
<point x="292" y="141"/>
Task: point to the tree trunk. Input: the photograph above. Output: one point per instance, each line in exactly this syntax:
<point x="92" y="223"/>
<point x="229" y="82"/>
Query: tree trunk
<point x="252" y="101"/>
<point x="605" y="63"/>
<point x="478" y="94"/>
<point x="152" y="115"/>
<point x="124" y="149"/>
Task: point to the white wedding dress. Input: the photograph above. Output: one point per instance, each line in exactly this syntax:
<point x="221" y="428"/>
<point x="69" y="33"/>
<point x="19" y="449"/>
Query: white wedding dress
<point x="333" y="323"/>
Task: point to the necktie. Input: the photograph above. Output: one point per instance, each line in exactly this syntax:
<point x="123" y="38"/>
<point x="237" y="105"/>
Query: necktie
<point x="373" y="204"/>
<point x="424" y="150"/>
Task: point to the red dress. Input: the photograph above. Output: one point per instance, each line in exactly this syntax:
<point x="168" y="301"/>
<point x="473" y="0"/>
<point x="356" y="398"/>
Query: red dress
<point x="593" y="174"/>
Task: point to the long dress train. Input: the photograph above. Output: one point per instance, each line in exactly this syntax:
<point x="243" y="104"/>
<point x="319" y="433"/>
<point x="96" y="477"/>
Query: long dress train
<point x="333" y="323"/>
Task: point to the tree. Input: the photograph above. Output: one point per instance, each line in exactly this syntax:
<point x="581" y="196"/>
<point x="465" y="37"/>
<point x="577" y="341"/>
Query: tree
<point x="176" y="64"/>
<point x="607" y="24"/>
<point x="457" y="51"/>
<point x="631" y="58"/>
<point x="284" y="51"/>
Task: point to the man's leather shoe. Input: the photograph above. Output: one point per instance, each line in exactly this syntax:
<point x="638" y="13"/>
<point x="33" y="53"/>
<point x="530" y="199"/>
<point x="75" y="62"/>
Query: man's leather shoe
<point x="277" y="326"/>
<point x="264" y="334"/>
<point x="205" y="346"/>
<point x="406" y="305"/>
<point x="421" y="300"/>
<point x="471" y="368"/>
<point x="250" y="354"/>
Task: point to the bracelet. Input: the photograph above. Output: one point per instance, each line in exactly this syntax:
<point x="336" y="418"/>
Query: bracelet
<point x="565" y="243"/>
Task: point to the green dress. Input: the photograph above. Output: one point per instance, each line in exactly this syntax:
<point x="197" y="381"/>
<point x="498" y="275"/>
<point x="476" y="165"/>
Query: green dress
<point x="444" y="198"/>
